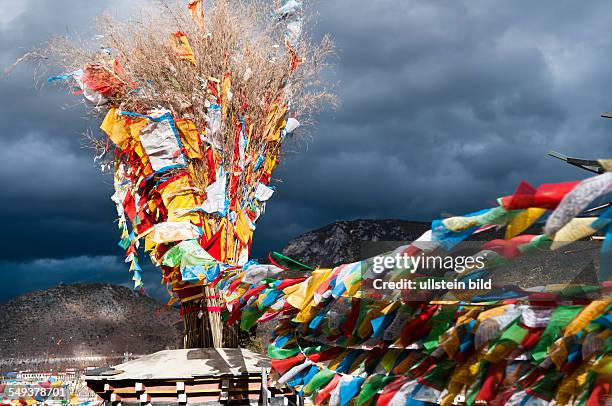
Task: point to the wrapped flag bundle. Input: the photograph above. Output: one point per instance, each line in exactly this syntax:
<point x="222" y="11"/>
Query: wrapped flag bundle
<point x="195" y="104"/>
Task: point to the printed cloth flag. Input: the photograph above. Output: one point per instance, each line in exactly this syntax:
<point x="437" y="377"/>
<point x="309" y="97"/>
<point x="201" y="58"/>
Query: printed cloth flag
<point x="242" y="229"/>
<point x="318" y="380"/>
<point x="390" y="390"/>
<point x="116" y="127"/>
<point x="216" y="197"/>
<point x="182" y="47"/>
<point x="546" y="196"/>
<point x="560" y="318"/>
<point x="174" y="231"/>
<point x="263" y="192"/>
<point x="196" y="9"/>
<point x="84" y="81"/>
<point x="190" y="138"/>
<point x="522" y="221"/>
<point x="292" y="125"/>
<point x="293" y="372"/>
<point x="179" y="199"/>
<point x="575" y="230"/>
<point x="275" y="122"/>
<point x="592" y="311"/>
<point x="160" y="141"/>
<point x="213" y="126"/>
<point x="497" y="215"/>
<point x="187" y="253"/>
<point x="325" y="393"/>
<point x="370" y="388"/>
<point x="402" y="396"/>
<point x="577" y="200"/>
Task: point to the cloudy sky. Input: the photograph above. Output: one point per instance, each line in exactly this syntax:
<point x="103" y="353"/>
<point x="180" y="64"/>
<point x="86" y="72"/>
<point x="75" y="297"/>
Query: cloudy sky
<point x="444" y="107"/>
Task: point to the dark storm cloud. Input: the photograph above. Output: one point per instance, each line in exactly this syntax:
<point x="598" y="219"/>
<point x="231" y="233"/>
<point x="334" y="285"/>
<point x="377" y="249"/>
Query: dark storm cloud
<point x="444" y="107"/>
<point x="55" y="201"/>
<point x="25" y="276"/>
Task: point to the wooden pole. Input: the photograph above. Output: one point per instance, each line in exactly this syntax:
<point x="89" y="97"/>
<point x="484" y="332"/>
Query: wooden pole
<point x="203" y="325"/>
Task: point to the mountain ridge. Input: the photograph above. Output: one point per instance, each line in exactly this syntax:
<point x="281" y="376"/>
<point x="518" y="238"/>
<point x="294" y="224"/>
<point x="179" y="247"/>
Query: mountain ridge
<point x="67" y="323"/>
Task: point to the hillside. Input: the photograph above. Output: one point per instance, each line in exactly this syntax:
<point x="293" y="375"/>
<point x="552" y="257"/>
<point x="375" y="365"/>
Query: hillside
<point x="70" y="325"/>
<point x="348" y="241"/>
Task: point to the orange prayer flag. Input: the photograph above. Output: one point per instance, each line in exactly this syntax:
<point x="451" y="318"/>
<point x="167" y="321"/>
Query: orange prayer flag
<point x="196" y="8"/>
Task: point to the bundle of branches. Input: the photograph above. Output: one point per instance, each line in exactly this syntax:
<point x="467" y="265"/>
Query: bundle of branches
<point x="197" y="100"/>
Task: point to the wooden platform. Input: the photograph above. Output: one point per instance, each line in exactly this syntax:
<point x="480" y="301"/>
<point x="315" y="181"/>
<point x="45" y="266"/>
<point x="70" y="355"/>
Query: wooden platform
<point x="204" y="376"/>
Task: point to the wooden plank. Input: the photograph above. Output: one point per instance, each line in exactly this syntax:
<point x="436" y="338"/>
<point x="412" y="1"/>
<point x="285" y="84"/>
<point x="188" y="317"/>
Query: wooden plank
<point x="180" y="386"/>
<point x="265" y="393"/>
<point x="125" y="391"/>
<point x="586" y="164"/>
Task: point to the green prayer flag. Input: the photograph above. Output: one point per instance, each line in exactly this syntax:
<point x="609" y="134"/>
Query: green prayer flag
<point x="560" y="318"/>
<point x="440" y="323"/>
<point x="318" y="380"/>
<point x="370" y="388"/>
<point x="281" y="353"/>
<point x="125" y="243"/>
<point x="249" y="318"/>
<point x="288" y="263"/>
<point x="187" y="252"/>
<point x="514" y="333"/>
<point x="314" y="350"/>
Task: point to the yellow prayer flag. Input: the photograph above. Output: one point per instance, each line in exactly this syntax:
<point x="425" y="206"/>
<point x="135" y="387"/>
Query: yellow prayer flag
<point x="181" y="45"/>
<point x="242" y="229"/>
<point x="604" y="366"/>
<point x="275" y="122"/>
<point x="606" y="164"/>
<point x="493" y="312"/>
<point x="522" y="221"/>
<point x="500" y="351"/>
<point x="226" y="85"/>
<point x="115" y="127"/>
<point x="304" y="294"/>
<point x="558" y="353"/>
<point x="178" y="197"/>
<point x="149" y="243"/>
<point x="592" y="311"/>
<point x="576" y="229"/>
<point x="188" y="133"/>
